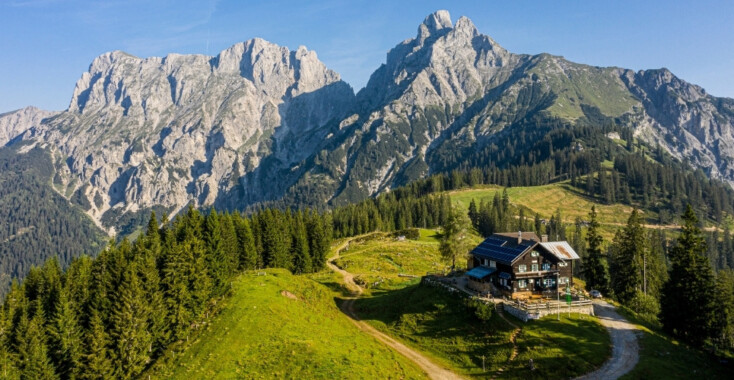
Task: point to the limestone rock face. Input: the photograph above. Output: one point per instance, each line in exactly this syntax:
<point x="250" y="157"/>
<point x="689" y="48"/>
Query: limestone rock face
<point x="15" y="123"/>
<point x="168" y="131"/>
<point x="259" y="122"/>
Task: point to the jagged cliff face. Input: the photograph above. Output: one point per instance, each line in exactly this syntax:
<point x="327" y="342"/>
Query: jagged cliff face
<point x="259" y="122"/>
<point x="167" y="131"/>
<point x="14" y="124"/>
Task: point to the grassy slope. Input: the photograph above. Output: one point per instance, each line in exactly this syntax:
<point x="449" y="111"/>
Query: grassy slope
<point x="573" y="346"/>
<point x="662" y="357"/>
<point x="261" y="333"/>
<point x="545" y="200"/>
<point x="439" y="325"/>
<point x="380" y="259"/>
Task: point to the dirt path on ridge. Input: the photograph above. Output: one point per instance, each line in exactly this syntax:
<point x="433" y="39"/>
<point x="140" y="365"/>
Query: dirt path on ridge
<point x="625" y="350"/>
<point x="433" y="370"/>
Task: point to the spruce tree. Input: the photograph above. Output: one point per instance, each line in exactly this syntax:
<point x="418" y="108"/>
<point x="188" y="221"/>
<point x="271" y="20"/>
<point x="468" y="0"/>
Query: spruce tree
<point x="97" y="362"/>
<point x="687" y="302"/>
<point x="301" y="255"/>
<point x="66" y="338"/>
<point x="246" y="244"/>
<point x="33" y="360"/>
<point x="723" y="334"/>
<point x="130" y="335"/>
<point x="629" y="244"/>
<point x="596" y="270"/>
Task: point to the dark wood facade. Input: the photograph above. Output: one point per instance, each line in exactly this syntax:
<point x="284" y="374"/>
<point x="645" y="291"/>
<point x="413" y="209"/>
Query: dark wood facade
<point x="536" y="271"/>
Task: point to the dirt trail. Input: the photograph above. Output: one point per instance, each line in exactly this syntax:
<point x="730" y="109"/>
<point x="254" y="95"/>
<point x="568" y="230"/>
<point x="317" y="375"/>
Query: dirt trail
<point x="433" y="370"/>
<point x="625" y="351"/>
<point x="513" y="340"/>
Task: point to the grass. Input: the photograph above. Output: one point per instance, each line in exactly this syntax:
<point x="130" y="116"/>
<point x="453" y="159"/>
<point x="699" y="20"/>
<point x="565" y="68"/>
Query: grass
<point x="437" y="324"/>
<point x="573" y="346"/>
<point x="662" y="357"/>
<point x="378" y="261"/>
<point x="546" y="199"/>
<point x="283" y="326"/>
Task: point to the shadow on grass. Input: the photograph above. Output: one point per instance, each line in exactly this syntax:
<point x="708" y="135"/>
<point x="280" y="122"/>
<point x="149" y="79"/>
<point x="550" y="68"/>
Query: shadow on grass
<point x="438" y="322"/>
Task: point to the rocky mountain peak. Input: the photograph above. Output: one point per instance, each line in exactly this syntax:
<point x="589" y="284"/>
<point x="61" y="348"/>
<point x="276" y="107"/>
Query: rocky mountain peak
<point x="433" y="23"/>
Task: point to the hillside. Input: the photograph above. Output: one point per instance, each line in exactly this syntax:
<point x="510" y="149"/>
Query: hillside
<point x="38" y="223"/>
<point x="281" y="325"/>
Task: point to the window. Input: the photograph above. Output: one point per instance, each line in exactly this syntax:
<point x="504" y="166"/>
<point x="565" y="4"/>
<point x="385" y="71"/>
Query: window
<point x="492" y="264"/>
<point x="546" y="266"/>
<point x="562" y="264"/>
<point x="535" y="267"/>
<point x="484" y="262"/>
<point x="534" y="254"/>
<point x="522" y="284"/>
<point x="522" y="268"/>
<point x="564" y="280"/>
<point x="549" y="282"/>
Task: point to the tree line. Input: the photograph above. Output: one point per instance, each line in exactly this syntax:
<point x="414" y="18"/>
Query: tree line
<point x="671" y="283"/>
<point x="112" y="316"/>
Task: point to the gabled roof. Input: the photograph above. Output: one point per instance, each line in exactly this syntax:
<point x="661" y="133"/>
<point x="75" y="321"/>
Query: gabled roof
<point x="503" y="248"/>
<point x="561" y="250"/>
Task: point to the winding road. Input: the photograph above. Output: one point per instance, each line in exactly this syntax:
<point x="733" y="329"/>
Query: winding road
<point x="625" y="350"/>
<point x="433" y="370"/>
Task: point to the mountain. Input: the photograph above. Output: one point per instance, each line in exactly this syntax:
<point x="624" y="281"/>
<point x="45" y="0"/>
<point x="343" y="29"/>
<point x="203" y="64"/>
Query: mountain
<point x="141" y="133"/>
<point x="452" y="91"/>
<point x="13" y="124"/>
<point x="260" y="123"/>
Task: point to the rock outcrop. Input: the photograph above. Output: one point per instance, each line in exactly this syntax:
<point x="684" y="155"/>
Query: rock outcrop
<point x="14" y="124"/>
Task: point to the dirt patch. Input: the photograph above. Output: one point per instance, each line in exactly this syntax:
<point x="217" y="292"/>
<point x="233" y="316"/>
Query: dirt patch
<point x="288" y="294"/>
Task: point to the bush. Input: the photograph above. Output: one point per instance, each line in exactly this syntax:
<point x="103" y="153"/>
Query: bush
<point x="644" y="304"/>
<point x="409" y="233"/>
<point x="483" y="311"/>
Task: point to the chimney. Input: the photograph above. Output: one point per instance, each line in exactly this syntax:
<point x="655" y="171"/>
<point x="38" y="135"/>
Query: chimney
<point x="543" y="238"/>
<point x="519" y="237"/>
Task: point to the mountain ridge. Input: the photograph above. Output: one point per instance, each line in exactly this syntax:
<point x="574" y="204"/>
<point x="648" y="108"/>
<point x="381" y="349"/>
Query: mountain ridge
<point x="259" y="122"/>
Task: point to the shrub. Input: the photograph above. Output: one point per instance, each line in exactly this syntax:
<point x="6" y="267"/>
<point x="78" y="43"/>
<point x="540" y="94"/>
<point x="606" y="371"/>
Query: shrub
<point x="483" y="311"/>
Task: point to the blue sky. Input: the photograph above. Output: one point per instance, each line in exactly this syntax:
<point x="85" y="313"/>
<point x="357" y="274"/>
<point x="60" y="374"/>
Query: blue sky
<point x="45" y="45"/>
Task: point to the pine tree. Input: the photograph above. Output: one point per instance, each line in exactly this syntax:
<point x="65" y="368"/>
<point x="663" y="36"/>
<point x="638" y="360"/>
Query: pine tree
<point x="176" y="268"/>
<point x="690" y="286"/>
<point x="246" y="242"/>
<point x="97" y="362"/>
<point x="66" y="338"/>
<point x="629" y="246"/>
<point x="130" y="334"/>
<point x="723" y="334"/>
<point x="455" y="242"/>
<point x="33" y="360"/>
<point x="8" y="367"/>
<point x="301" y="256"/>
<point x="596" y="269"/>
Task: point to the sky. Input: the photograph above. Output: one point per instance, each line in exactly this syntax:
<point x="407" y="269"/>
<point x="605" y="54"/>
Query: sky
<point x="45" y="45"/>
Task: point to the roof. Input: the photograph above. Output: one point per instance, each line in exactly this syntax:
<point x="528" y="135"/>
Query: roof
<point x="561" y="250"/>
<point x="505" y="275"/>
<point x="480" y="272"/>
<point x="526" y="235"/>
<point x="503" y="248"/>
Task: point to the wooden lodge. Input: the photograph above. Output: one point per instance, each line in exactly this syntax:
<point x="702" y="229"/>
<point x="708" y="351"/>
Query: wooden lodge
<point x="521" y="265"/>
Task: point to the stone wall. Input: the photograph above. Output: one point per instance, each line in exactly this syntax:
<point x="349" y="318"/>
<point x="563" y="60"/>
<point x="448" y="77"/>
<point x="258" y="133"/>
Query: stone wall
<point x="537" y="311"/>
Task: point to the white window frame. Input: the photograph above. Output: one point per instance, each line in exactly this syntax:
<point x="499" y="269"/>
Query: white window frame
<point x="534" y="254"/>
<point x="522" y="268"/>
<point x="522" y="284"/>
<point x="492" y="264"/>
<point x="546" y="266"/>
<point x="534" y="268"/>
